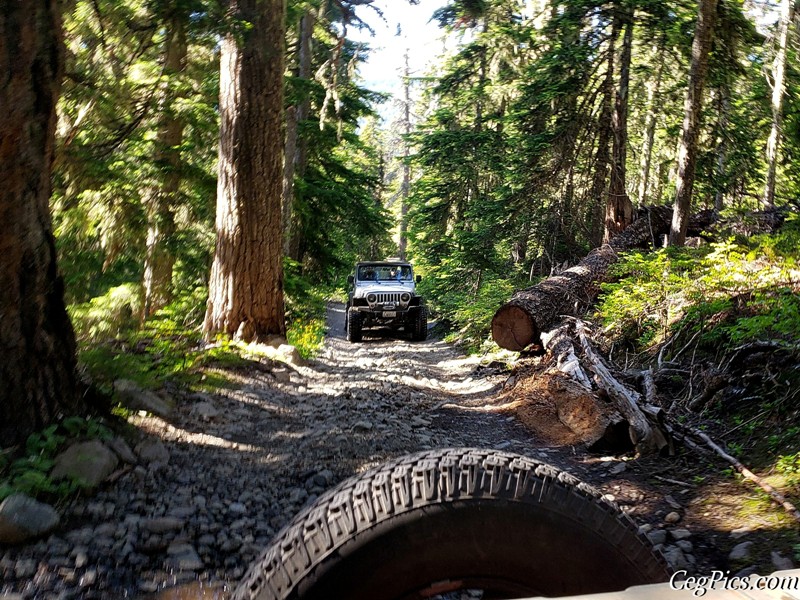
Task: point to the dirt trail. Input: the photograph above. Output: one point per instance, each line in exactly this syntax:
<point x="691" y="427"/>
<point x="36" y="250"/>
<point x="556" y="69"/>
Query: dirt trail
<point x="228" y="469"/>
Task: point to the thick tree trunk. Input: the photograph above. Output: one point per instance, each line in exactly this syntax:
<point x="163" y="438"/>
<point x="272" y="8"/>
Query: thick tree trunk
<point x="687" y="153"/>
<point x="619" y="208"/>
<point x="520" y="322"/>
<point x="37" y="371"/>
<point x="778" y="90"/>
<point x="159" y="259"/>
<point x="246" y="287"/>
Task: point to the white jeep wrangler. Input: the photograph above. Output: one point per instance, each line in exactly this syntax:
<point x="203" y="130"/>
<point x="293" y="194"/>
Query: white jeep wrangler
<point x="384" y="294"/>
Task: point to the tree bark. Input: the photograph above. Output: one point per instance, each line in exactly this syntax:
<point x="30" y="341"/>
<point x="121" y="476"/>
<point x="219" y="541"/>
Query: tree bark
<point x="602" y="156"/>
<point x="246" y="286"/>
<point x="529" y="312"/>
<point x="37" y="372"/>
<point x="295" y="146"/>
<point x="653" y="88"/>
<point x="619" y="208"/>
<point x="778" y="90"/>
<point x="160" y="206"/>
<point x="405" y="184"/>
<point x="687" y="153"/>
<point x="722" y="147"/>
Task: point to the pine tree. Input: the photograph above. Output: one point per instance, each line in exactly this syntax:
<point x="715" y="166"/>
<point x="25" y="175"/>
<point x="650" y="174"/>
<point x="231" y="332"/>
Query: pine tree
<point x="246" y="285"/>
<point x="687" y="155"/>
<point x="37" y="373"/>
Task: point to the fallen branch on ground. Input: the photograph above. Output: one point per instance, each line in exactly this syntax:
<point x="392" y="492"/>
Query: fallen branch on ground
<point x="747" y="473"/>
<point x="645" y="437"/>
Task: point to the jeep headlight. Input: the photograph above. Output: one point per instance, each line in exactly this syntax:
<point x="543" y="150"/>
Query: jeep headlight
<point x="405" y="297"/>
<point x="371" y="298"/>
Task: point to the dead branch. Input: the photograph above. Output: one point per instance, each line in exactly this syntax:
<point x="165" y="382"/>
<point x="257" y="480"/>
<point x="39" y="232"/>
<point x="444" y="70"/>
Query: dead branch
<point x="746" y="473"/>
<point x="645" y="437"/>
<point x="559" y="343"/>
<point x="649" y="385"/>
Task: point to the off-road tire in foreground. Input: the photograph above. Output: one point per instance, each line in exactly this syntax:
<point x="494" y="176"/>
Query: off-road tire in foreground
<point x="419" y="325"/>
<point x="441" y="520"/>
<point x="354" y="323"/>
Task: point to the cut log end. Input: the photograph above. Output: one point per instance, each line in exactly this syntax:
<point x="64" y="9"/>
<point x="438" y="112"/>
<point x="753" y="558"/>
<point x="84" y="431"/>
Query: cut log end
<point x="513" y="329"/>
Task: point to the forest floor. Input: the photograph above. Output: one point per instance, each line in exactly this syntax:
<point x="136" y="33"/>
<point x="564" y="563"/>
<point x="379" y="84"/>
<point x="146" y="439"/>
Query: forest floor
<point x="233" y="466"/>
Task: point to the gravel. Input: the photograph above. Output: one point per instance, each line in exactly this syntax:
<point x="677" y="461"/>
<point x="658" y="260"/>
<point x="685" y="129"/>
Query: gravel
<point x="214" y="483"/>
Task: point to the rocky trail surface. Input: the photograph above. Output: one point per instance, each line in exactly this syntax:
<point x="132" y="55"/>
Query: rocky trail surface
<point x="210" y="484"/>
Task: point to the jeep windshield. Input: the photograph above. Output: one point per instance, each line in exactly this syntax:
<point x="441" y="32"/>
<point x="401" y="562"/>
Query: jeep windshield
<point x="384" y="273"/>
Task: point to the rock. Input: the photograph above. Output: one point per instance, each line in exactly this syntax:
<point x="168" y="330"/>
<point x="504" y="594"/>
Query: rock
<point x="282" y="375"/>
<point x="25" y="569"/>
<point x="739" y="533"/>
<point x="740" y="551"/>
<point x="130" y="395"/>
<point x="290" y="354"/>
<point x="89" y="578"/>
<point x="148" y="587"/>
<point x="657" y="536"/>
<point x="205" y="410"/>
<point x="746" y="572"/>
<point x="152" y="451"/>
<point x="122" y="450"/>
<point x="324" y="478"/>
<point x="363" y="426"/>
<point x="780" y="562"/>
<point x="88" y="462"/>
<point x="618" y="468"/>
<point x="81" y="559"/>
<point x="184" y="557"/>
<point x="645" y="528"/>
<point x="676" y="558"/>
<point x="237" y="508"/>
<point x="685" y="545"/>
<point x="680" y="534"/>
<point x="22" y="518"/>
<point x="672" y="517"/>
<point x="163" y="524"/>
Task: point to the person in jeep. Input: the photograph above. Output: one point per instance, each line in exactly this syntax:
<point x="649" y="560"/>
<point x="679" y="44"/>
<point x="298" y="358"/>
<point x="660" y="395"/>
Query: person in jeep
<point x="383" y="293"/>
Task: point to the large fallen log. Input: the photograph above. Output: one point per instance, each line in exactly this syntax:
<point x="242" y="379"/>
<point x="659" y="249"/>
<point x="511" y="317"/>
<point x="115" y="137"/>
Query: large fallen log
<point x="529" y="312"/>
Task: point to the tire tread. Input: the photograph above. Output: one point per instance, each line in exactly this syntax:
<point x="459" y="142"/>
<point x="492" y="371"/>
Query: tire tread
<point x="423" y="479"/>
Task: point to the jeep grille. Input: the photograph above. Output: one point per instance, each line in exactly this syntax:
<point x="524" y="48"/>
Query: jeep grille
<point x="383" y="298"/>
<point x="379" y="299"/>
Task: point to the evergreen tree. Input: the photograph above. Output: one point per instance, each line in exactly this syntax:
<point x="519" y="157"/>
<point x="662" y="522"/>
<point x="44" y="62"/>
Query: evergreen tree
<point x="687" y="154"/>
<point x="37" y="374"/>
<point x="245" y="297"/>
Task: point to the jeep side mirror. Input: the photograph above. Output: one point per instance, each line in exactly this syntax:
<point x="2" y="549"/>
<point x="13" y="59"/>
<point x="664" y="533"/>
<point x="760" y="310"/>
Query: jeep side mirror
<point x="350" y="280"/>
<point x="419" y="278"/>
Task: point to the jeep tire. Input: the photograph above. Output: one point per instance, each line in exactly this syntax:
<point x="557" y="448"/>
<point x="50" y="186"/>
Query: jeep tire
<point x="419" y="324"/>
<point x="443" y="520"/>
<point x="354" y="323"/>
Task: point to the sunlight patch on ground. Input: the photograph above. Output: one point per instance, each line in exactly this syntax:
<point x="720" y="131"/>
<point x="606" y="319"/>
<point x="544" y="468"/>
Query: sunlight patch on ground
<point x="156" y="426"/>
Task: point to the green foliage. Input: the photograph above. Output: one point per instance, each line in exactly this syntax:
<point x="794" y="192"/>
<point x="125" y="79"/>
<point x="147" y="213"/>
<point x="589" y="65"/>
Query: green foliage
<point x="464" y="300"/>
<point x="29" y="473"/>
<point x="788" y="464"/>
<point x="106" y="317"/>
<point x="116" y="96"/>
<point x="729" y="293"/>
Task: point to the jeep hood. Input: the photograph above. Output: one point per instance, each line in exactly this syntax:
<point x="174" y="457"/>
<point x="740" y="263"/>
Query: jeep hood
<point x="386" y="287"/>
